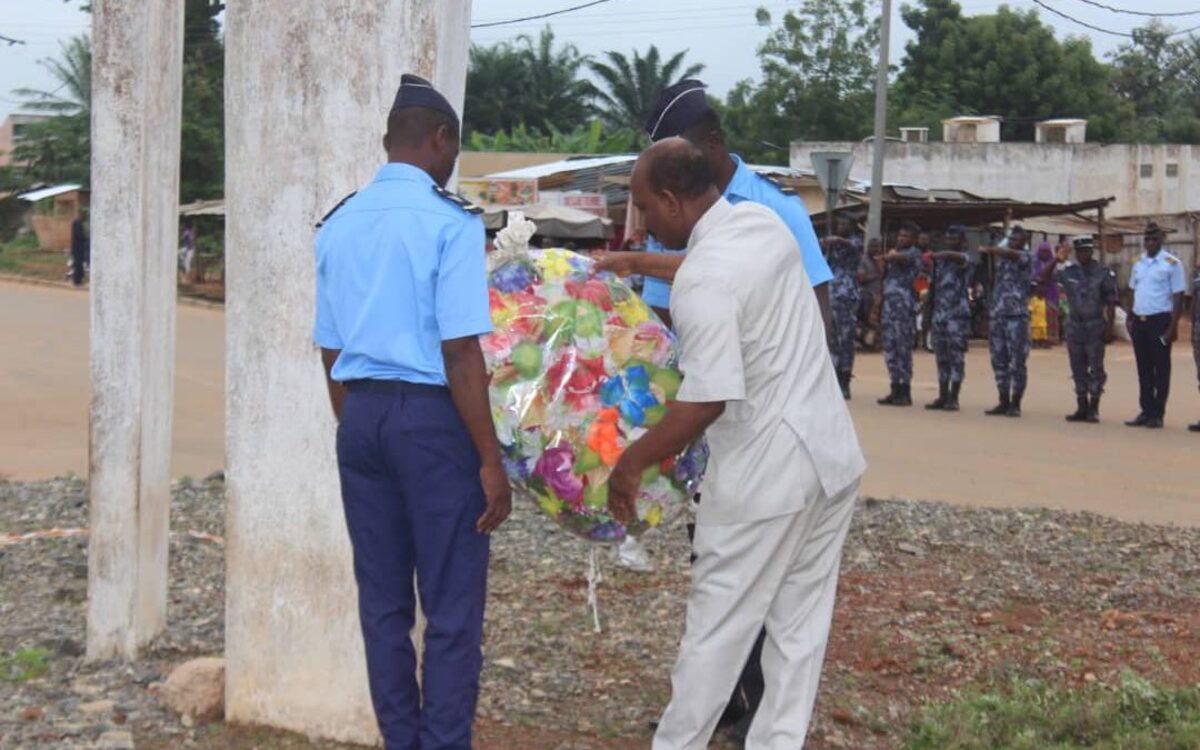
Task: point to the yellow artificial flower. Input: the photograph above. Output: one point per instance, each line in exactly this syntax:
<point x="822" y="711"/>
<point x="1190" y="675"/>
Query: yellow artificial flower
<point x="554" y="264"/>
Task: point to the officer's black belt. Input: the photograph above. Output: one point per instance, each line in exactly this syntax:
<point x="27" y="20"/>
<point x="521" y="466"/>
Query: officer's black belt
<point x="396" y="388"/>
<point x="1148" y="318"/>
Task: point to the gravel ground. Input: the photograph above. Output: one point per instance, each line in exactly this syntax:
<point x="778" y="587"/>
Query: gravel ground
<point x="932" y="598"/>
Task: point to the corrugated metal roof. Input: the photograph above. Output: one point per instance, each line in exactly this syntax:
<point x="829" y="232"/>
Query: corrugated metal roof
<point x="33" y="196"/>
<point x="538" y="171"/>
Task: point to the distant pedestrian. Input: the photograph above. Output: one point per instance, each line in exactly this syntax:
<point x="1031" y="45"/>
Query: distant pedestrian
<point x="1037" y="319"/>
<point x="1091" y="291"/>
<point x="187" y="250"/>
<point x="1049" y="290"/>
<point x="80" y="250"/>
<point x="1008" y="322"/>
<point x="870" y="282"/>
<point x="1158" y="282"/>
<point x="1196" y="328"/>
<point x="952" y="271"/>
<point x="899" y="310"/>
<point x="844" y="252"/>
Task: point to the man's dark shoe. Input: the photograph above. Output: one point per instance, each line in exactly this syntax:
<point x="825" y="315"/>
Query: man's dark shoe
<point x="1001" y="409"/>
<point x="952" y="397"/>
<point x="1138" y="421"/>
<point x="1093" y="415"/>
<point x="939" y="403"/>
<point x="890" y="399"/>
<point x="904" y="395"/>
<point x="1154" y="423"/>
<point x="1081" y="410"/>
<point x="1194" y="427"/>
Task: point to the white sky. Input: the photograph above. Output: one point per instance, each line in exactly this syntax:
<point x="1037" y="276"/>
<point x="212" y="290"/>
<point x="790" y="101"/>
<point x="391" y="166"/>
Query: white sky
<point x="720" y="33"/>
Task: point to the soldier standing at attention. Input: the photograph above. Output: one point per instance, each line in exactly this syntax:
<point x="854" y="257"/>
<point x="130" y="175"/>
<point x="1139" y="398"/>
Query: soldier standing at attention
<point x="1091" y="291"/>
<point x="1153" y="323"/>
<point x="401" y="301"/>
<point x="1009" y="320"/>
<point x="899" y="308"/>
<point x="844" y="251"/>
<point x="952" y="271"/>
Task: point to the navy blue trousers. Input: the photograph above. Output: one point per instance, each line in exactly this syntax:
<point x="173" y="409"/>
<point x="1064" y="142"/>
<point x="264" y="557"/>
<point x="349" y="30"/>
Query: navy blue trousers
<point x="412" y="496"/>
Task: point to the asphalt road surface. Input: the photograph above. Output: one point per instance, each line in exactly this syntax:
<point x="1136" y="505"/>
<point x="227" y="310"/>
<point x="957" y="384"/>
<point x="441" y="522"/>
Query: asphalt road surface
<point x="965" y="458"/>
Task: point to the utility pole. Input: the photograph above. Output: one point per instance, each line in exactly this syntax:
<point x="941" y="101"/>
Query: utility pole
<point x="875" y="215"/>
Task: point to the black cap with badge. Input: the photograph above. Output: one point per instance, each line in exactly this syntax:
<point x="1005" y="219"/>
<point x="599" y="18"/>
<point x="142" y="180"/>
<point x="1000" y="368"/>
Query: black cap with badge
<point x="415" y="91"/>
<point x="678" y="107"/>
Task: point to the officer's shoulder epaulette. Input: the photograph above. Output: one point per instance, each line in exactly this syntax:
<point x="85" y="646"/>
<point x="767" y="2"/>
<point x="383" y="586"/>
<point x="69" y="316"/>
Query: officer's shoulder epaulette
<point x="458" y="200"/>
<point x="1171" y="259"/>
<point x="778" y="184"/>
<point x="334" y="210"/>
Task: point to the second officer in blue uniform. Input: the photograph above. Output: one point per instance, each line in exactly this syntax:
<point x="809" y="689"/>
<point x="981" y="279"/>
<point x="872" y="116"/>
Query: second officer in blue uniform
<point x="401" y="301"/>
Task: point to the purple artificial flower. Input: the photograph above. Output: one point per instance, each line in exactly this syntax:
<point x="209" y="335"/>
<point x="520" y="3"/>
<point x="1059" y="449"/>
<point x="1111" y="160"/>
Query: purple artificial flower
<point x="556" y="467"/>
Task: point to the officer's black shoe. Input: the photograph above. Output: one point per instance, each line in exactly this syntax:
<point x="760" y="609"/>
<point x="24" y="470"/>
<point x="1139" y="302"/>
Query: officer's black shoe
<point x="939" y="402"/>
<point x="1082" y="410"/>
<point x="904" y="395"/>
<point x="890" y="399"/>
<point x="844" y="382"/>
<point x="1000" y="409"/>
<point x="1154" y="423"/>
<point x="1138" y="421"/>
<point x="1194" y="427"/>
<point x="1014" y="407"/>
<point x="952" y="397"/>
<point x="1093" y="415"/>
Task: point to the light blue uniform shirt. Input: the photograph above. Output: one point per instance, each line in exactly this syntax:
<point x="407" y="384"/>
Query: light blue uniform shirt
<point x="400" y="269"/>
<point x="1155" y="282"/>
<point x="748" y="185"/>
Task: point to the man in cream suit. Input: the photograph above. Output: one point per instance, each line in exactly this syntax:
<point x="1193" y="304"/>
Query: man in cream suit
<point x="785" y="467"/>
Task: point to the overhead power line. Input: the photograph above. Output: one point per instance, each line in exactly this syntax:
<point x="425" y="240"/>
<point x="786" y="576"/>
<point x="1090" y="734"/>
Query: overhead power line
<point x="1093" y="27"/>
<point x="540" y="16"/>
<point x="10" y="40"/>
<point x="1144" y="13"/>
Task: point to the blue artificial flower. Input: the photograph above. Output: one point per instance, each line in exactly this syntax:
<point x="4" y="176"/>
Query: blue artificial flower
<point x="514" y="276"/>
<point x="631" y="393"/>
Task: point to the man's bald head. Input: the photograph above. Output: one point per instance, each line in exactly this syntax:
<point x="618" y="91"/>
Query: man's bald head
<point x="673" y="185"/>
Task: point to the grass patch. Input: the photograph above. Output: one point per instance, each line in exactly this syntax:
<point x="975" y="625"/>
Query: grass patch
<point x="22" y="256"/>
<point x="24" y="665"/>
<point x="1027" y="714"/>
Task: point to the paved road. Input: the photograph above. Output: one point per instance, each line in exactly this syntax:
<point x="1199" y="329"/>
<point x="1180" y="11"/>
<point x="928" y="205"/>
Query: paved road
<point x="964" y="458"/>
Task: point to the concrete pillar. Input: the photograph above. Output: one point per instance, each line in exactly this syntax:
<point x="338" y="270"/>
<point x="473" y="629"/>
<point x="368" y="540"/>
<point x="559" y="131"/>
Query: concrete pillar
<point x="136" y="108"/>
<point x="308" y="87"/>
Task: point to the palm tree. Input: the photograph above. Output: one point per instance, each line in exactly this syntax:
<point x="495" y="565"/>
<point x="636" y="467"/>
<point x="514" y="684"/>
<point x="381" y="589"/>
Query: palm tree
<point x="633" y="86"/>
<point x="73" y="72"/>
<point x="557" y="96"/>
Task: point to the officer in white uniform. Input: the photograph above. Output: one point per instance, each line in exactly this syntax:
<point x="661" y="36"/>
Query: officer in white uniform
<point x="785" y="467"/>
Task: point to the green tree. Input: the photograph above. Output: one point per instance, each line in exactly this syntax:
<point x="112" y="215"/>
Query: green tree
<point x="1160" y="80"/>
<point x="591" y="138"/>
<point x="202" y="150"/>
<point x="496" y="93"/>
<point x="818" y="68"/>
<point x="631" y="85"/>
<point x="58" y="149"/>
<point x="1008" y="63"/>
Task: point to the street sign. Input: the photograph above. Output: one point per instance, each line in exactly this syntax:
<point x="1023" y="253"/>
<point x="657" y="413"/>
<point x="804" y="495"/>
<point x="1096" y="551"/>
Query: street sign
<point x="833" y="169"/>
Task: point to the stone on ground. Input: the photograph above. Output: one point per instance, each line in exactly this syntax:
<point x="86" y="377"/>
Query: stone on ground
<point x="196" y="689"/>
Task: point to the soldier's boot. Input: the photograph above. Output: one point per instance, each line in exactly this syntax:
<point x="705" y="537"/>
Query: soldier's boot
<point x="1014" y="405"/>
<point x="952" y="397"/>
<point x="904" y="397"/>
<point x="844" y="383"/>
<point x="890" y="399"/>
<point x="940" y="401"/>
<point x="1093" y="415"/>
<point x="1081" y="411"/>
<point x="1000" y="409"/>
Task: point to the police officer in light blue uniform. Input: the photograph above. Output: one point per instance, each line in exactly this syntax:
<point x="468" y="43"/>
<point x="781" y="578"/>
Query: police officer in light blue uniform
<point x="401" y="300"/>
<point x="683" y="110"/>
<point x="1158" y="283"/>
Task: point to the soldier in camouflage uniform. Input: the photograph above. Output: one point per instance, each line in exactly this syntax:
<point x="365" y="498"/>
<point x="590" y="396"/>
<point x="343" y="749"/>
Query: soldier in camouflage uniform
<point x="1091" y="291"/>
<point x="899" y="310"/>
<point x="1009" y="319"/>
<point x="844" y="252"/>
<point x="952" y="271"/>
<point x="1196" y="328"/>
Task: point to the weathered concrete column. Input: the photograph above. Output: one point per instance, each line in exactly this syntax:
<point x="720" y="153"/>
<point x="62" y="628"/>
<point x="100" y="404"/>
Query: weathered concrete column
<point x="137" y="69"/>
<point x="308" y="87"/>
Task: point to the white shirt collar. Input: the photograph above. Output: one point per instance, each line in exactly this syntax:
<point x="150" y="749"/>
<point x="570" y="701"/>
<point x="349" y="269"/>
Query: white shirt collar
<point x="709" y="221"/>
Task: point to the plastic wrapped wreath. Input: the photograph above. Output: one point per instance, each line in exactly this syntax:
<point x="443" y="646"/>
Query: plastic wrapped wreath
<point x="580" y="368"/>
